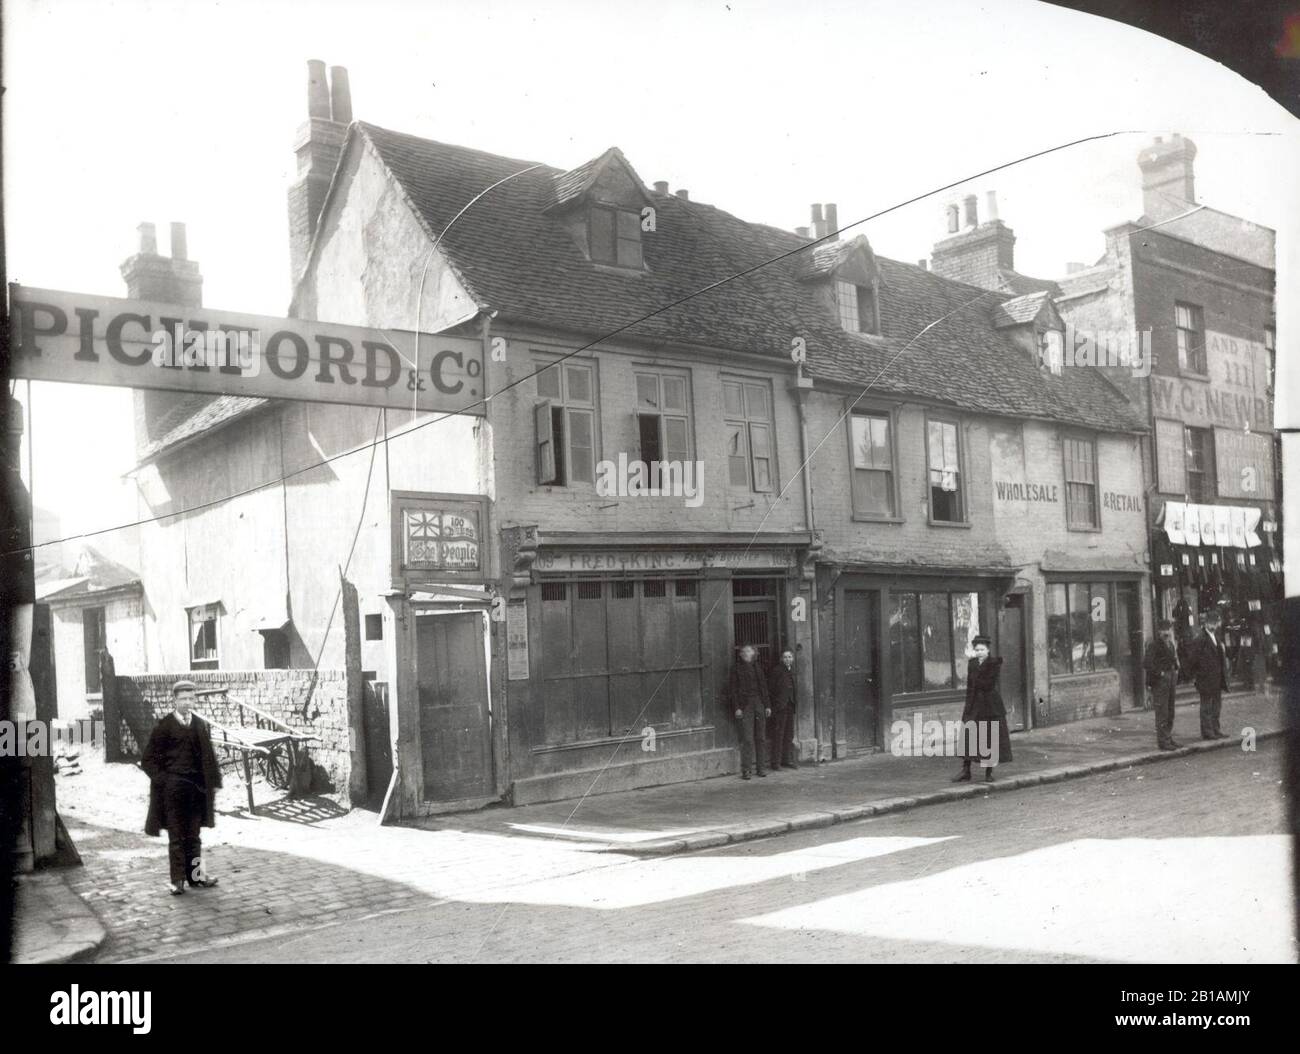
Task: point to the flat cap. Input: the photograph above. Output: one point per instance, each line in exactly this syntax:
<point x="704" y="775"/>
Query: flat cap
<point x="183" y="686"/>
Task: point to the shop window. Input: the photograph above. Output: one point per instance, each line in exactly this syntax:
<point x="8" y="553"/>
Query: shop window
<point x="1078" y="627"/>
<point x="1189" y="332"/>
<point x="686" y="588"/>
<point x="1081" y="511"/>
<point x="873" y="465"/>
<point x="204" y="636"/>
<point x="929" y="638"/>
<point x="942" y="439"/>
<point x="752" y="587"/>
<point x="566" y="424"/>
<point x="1201" y="481"/>
<point x="93" y="641"/>
<point x="747" y="411"/>
<point x="612" y="661"/>
<point x="614" y="237"/>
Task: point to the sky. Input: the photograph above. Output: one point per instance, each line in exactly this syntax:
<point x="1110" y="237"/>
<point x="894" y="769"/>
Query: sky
<point x="120" y="111"/>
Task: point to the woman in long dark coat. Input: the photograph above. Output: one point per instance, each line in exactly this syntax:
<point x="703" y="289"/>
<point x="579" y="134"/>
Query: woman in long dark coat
<point x="984" y="715"/>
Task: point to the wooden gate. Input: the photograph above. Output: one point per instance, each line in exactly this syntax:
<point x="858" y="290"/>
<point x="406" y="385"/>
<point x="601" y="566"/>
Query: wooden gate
<point x="455" y="726"/>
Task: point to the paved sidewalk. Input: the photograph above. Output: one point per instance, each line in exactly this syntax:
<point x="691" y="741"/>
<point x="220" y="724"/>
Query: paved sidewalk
<point x="707" y="814"/>
<point x="54" y="925"/>
<point x="307" y="863"/>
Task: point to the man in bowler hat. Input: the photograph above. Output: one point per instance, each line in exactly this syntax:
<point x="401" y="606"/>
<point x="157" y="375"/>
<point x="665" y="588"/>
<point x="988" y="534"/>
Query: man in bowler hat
<point x="184" y="779"/>
<point x="1207" y="661"/>
<point x="1162" y="666"/>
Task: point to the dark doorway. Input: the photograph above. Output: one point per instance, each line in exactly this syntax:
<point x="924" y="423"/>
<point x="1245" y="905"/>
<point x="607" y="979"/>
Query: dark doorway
<point x="455" y="737"/>
<point x="1129" y="644"/>
<point x="378" y="733"/>
<point x="857" y="687"/>
<point x="753" y="617"/>
<point x="92" y="633"/>
<point x="1011" y="646"/>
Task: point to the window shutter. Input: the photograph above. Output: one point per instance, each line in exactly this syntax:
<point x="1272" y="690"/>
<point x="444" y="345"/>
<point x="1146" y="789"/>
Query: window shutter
<point x="1171" y="457"/>
<point x="545" y="442"/>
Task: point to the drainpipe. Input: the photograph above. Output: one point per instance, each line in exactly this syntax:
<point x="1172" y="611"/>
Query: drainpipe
<point x="802" y="386"/>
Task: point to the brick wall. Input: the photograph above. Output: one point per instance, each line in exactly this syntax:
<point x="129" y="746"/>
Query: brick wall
<point x="143" y="698"/>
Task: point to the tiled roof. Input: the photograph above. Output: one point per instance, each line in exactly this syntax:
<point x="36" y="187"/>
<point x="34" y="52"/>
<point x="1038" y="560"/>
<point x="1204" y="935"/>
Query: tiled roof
<point x="516" y="258"/>
<point x="514" y="255"/>
<point x="210" y="414"/>
<point x="1019" y="310"/>
<point x="1019" y="284"/>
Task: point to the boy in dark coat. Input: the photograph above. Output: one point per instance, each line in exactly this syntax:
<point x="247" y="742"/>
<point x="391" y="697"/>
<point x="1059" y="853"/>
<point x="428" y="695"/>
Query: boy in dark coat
<point x="1207" y="661"/>
<point x="780" y="726"/>
<point x="184" y="779"/>
<point x="984" y="715"/>
<point x="1161" y="665"/>
<point x="747" y="691"/>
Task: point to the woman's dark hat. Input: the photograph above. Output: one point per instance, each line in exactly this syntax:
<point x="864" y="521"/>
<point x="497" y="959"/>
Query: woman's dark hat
<point x="980" y="639"/>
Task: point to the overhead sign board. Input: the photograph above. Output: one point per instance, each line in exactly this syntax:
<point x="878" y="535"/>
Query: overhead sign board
<point x="79" y="339"/>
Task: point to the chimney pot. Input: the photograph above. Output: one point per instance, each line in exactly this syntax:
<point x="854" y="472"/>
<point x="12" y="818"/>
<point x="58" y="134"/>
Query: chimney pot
<point x="832" y="219"/>
<point x="972" y="210"/>
<point x="923" y="264"/>
<point x="148" y="239"/>
<point x="179" y="251"/>
<point x="661" y="186"/>
<point x="684" y="194"/>
<point x="992" y="206"/>
<point x="318" y="92"/>
<point x="340" y="95"/>
<point x="816" y="214"/>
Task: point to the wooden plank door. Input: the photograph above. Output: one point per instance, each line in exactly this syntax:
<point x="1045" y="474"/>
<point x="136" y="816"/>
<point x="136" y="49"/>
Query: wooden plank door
<point x="857" y="682"/>
<point x="455" y="732"/>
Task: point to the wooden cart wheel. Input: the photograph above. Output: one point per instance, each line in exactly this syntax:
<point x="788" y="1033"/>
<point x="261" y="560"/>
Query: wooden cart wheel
<point x="275" y="768"/>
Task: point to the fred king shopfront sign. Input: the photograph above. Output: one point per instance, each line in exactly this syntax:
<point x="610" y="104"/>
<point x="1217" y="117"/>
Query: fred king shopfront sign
<point x="80" y="339"/>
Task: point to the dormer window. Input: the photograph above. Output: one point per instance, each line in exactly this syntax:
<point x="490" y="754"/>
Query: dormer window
<point x="1051" y="350"/>
<point x="857" y="307"/>
<point x="614" y="236"/>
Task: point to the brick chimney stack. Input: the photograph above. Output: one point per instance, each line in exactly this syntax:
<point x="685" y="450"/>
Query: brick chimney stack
<point x="1168" y="177"/>
<point x="978" y="253"/>
<point x="171" y="279"/>
<point x="318" y="144"/>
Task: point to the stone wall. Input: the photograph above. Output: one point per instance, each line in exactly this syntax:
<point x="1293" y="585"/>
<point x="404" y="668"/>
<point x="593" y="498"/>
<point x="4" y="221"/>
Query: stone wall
<point x="311" y="702"/>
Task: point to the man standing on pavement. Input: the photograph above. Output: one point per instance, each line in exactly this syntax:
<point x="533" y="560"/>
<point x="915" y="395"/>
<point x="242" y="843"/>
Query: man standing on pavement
<point x="1207" y="661"/>
<point x="1161" y="664"/>
<point x="780" y="726"/>
<point x="747" y="691"/>
<point x="184" y="779"/>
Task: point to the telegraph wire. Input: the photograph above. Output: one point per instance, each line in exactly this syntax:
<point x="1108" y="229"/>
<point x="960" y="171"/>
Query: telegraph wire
<point x="833" y="235"/>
